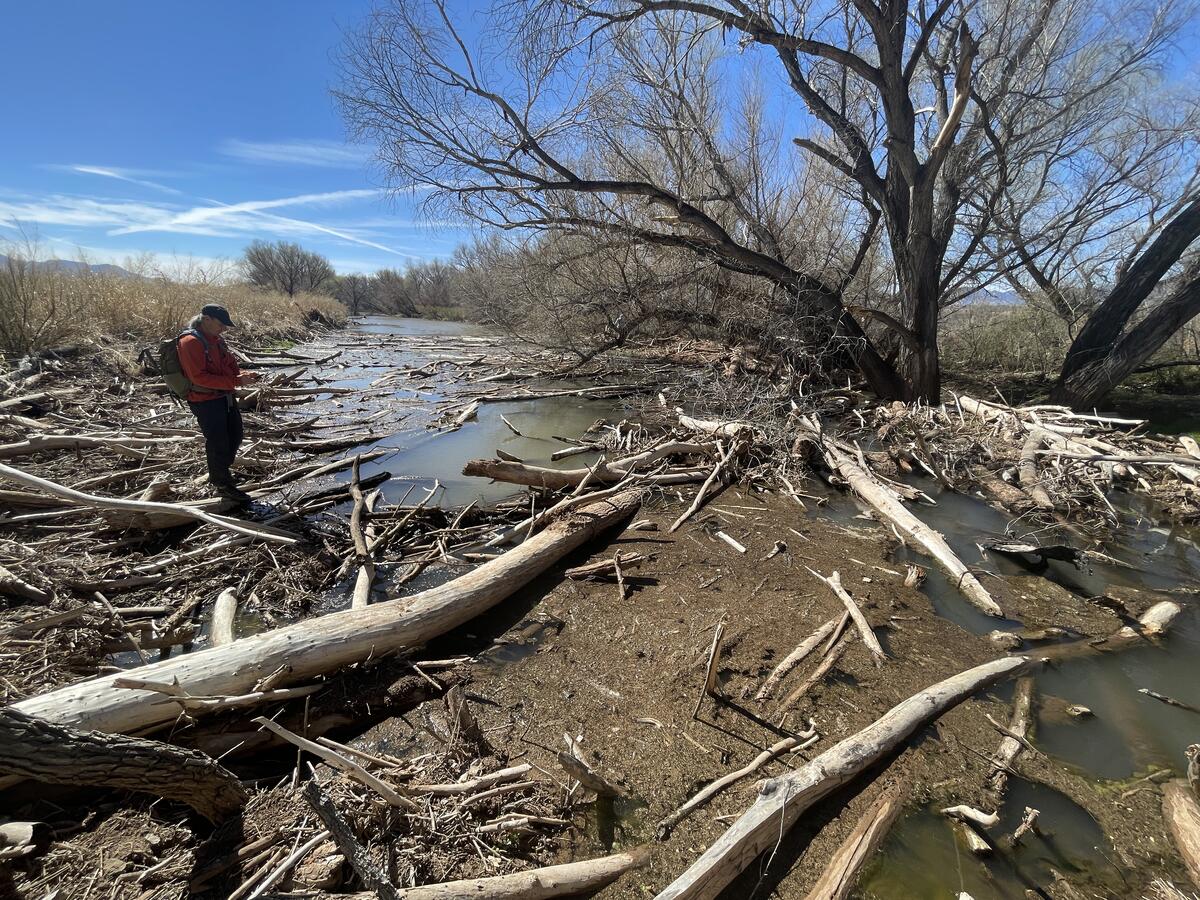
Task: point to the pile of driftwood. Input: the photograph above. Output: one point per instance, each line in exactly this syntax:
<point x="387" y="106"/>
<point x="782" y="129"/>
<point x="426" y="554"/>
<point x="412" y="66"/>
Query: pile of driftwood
<point x="1043" y="462"/>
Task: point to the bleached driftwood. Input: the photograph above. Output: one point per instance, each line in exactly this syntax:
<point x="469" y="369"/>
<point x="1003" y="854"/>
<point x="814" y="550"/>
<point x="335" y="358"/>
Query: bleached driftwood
<point x="665" y="826"/>
<point x="262" y="532"/>
<point x="328" y="643"/>
<point x="1181" y="811"/>
<point x="220" y="625"/>
<point x="783" y="800"/>
<point x="841" y="872"/>
<point x="566" y="880"/>
<point x="540" y="476"/>
<point x="794" y="658"/>
<point x="892" y="510"/>
<point x="834" y="582"/>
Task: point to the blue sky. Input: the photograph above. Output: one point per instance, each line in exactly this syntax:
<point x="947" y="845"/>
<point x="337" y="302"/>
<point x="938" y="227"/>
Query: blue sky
<point x="190" y="129"/>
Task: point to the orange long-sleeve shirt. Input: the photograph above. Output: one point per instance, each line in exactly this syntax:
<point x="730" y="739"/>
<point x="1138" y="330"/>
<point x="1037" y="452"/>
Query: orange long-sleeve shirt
<point x="217" y="372"/>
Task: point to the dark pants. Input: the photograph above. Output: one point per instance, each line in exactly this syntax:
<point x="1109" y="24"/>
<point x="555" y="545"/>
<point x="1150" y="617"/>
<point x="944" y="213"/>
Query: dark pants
<point x="221" y="424"/>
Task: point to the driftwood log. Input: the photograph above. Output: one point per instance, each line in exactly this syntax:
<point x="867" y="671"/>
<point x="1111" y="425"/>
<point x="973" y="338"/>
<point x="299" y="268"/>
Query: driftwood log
<point x="888" y="505"/>
<point x="328" y="643"/>
<point x="841" y="872"/>
<point x="566" y="880"/>
<point x="540" y="476"/>
<point x="32" y="748"/>
<point x="781" y="801"/>
<point x="1182" y="814"/>
<point x="262" y="532"/>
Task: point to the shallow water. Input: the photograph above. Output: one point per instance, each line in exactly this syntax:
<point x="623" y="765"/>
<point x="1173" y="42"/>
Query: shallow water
<point x="1129" y="733"/>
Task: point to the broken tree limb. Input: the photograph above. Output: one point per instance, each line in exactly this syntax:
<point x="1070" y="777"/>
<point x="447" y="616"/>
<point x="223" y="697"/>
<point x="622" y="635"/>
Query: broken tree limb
<point x="1010" y="747"/>
<point x="328" y="643"/>
<point x="1029" y="470"/>
<point x="565" y="880"/>
<point x="783" y="800"/>
<point x="1153" y="623"/>
<point x="540" y="476"/>
<point x="44" y="751"/>
<point x="841" y="872"/>
<point x="1181" y="811"/>
<point x="860" y="621"/>
<point x="13" y="586"/>
<point x="220" y="626"/>
<point x="893" y="511"/>
<point x="263" y="532"/>
<point x="794" y="659"/>
<point x="831" y="659"/>
<point x="663" y="831"/>
<point x="338" y="761"/>
<point x="356" y="854"/>
<point x="700" y="494"/>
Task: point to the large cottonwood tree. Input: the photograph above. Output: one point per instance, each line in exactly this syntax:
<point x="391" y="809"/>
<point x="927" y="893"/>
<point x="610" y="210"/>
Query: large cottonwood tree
<point x="813" y="145"/>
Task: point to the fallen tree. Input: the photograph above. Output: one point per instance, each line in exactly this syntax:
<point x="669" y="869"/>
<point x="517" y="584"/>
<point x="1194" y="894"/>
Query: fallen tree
<point x="565" y="880"/>
<point x="319" y="646"/>
<point x="781" y="801"/>
<point x="888" y="505"/>
<point x="56" y="754"/>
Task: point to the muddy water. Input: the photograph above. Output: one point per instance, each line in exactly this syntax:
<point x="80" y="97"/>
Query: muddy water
<point x="423" y="453"/>
<point x="1128" y="735"/>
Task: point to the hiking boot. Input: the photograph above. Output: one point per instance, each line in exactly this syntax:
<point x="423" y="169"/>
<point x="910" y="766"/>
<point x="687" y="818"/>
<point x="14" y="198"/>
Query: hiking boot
<point x="232" y="492"/>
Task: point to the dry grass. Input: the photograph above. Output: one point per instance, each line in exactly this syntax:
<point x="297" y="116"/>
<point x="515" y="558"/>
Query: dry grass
<point x="42" y="308"/>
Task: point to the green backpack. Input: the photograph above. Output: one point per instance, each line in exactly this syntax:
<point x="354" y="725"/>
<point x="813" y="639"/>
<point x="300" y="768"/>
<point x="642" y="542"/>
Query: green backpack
<point x="170" y="368"/>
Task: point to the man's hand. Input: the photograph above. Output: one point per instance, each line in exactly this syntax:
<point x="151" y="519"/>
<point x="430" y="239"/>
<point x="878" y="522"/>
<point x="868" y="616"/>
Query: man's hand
<point x="248" y="378"/>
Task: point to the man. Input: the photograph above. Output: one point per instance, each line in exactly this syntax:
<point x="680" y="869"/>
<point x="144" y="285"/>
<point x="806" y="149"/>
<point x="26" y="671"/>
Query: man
<point x="214" y="374"/>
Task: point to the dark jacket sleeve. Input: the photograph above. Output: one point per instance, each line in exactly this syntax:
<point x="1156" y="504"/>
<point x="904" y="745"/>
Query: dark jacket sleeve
<point x="195" y="366"/>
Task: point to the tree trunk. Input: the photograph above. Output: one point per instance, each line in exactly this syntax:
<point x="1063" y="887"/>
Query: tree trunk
<point x="1100" y="337"/>
<point x="41" y="750"/>
<point x="325" y="644"/>
<point x="1089" y="383"/>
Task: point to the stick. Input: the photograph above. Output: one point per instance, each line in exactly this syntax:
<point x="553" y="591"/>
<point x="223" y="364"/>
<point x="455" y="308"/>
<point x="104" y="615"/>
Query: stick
<point x="783" y="800"/>
<point x="335" y="759"/>
<point x="819" y="672"/>
<point x="360" y="861"/>
<point x="687" y="514"/>
<point x="668" y="823"/>
<point x="1170" y="701"/>
<point x="860" y="621"/>
<point x="794" y="659"/>
<point x="838" y="879"/>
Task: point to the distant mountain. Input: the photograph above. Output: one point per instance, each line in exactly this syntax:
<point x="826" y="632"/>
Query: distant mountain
<point x="70" y="265"/>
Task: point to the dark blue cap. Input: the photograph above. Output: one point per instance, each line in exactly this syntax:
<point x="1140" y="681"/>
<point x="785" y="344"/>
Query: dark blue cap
<point x="219" y="313"/>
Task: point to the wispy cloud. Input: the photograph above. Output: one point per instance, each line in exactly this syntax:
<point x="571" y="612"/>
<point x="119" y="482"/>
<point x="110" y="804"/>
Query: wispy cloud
<point x="128" y="175"/>
<point x="298" y="152"/>
<point x="249" y="218"/>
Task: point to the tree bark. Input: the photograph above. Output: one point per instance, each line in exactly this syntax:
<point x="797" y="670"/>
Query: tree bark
<point x="1087" y="384"/>
<point x="1095" y="348"/>
<point x="330" y="642"/>
<point x="32" y="748"/>
<point x="840" y="876"/>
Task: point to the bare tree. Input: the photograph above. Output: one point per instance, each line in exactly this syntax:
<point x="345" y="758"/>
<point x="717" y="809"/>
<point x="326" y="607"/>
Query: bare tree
<point x="914" y="124"/>
<point x="357" y="292"/>
<point x="286" y="267"/>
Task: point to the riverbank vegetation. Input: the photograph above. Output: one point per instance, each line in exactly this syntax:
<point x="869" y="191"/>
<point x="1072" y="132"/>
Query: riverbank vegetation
<point x="43" y="307"/>
<point x="942" y="153"/>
